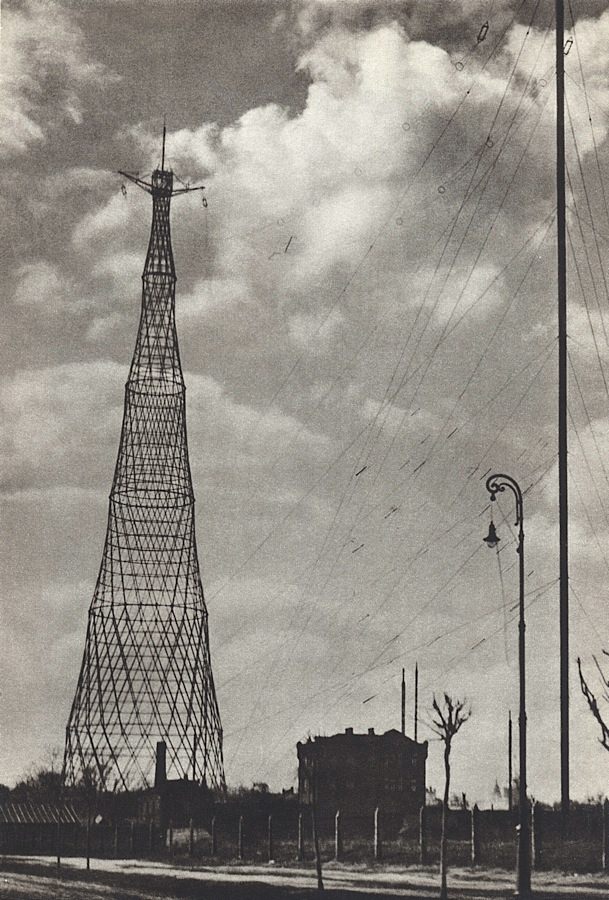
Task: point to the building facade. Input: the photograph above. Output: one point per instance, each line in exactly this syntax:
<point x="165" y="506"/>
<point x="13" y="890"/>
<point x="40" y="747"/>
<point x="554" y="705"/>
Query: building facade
<point x="356" y="773"/>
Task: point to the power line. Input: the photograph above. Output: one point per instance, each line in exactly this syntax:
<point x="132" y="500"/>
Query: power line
<point x="383" y="226"/>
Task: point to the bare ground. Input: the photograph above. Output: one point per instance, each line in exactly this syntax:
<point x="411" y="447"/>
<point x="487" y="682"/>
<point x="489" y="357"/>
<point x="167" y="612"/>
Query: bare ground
<point x="36" y="878"/>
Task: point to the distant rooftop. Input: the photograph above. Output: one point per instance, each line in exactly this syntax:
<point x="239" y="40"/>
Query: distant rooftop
<point x="349" y="734"/>
<point x="37" y="814"/>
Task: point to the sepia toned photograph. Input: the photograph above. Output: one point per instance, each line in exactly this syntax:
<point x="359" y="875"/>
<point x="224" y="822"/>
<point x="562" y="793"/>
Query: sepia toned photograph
<point x="305" y="449"/>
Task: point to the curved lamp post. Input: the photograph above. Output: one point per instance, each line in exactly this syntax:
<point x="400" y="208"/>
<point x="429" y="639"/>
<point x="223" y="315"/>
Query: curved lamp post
<point x="497" y="484"/>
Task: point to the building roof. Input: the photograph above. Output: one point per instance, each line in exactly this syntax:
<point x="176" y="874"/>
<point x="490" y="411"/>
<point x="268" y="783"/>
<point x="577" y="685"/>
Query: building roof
<point x="349" y="736"/>
<point x="37" y="814"/>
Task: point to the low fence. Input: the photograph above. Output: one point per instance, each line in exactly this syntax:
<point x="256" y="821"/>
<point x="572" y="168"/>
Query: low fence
<point x="127" y="840"/>
<point x="476" y="837"/>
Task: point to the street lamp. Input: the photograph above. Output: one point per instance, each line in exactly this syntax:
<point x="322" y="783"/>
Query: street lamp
<point x="496" y="484"/>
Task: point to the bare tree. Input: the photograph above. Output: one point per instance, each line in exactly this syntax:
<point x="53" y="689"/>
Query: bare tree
<point x="592" y="701"/>
<point x="447" y="719"/>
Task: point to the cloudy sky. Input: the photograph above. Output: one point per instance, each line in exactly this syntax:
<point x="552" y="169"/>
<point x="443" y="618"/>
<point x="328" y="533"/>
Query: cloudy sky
<point x="367" y="320"/>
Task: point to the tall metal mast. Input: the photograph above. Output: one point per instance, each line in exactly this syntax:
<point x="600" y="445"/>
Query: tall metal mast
<point x="563" y="493"/>
<point x="403" y="701"/>
<point x="416" y="701"/>
<point x="146" y="676"/>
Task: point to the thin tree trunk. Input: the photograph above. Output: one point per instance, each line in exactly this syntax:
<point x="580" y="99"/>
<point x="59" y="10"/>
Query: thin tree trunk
<point x="320" y="880"/>
<point x="443" y="840"/>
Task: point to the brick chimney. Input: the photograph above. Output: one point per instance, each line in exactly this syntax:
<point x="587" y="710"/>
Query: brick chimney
<point x="160" y="771"/>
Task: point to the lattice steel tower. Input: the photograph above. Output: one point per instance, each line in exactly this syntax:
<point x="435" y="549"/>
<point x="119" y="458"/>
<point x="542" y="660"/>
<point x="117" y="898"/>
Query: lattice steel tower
<point x="146" y="672"/>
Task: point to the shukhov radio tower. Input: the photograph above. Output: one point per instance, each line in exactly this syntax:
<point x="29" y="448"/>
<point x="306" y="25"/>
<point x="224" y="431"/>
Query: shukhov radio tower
<point x="146" y="672"/>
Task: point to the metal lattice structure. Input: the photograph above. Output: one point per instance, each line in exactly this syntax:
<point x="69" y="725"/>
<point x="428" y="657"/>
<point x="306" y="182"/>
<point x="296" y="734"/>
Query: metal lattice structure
<point x="146" y="672"/>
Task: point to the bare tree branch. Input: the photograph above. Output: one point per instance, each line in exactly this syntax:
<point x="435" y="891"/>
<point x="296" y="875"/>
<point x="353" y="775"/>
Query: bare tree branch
<point x="592" y="702"/>
<point x="449" y="721"/>
<point x="450" y="717"/>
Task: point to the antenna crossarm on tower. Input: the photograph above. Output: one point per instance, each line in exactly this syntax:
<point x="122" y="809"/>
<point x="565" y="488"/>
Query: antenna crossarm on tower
<point x="150" y="189"/>
<point x="187" y="190"/>
<point x="139" y="181"/>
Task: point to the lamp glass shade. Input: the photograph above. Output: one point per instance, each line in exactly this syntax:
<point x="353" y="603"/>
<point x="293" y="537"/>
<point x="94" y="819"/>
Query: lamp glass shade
<point x="492" y="538"/>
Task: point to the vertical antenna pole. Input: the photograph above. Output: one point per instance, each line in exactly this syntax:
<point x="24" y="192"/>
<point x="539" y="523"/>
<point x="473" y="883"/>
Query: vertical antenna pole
<point x="416" y="700"/>
<point x="163" y="154"/>
<point x="510" y="774"/>
<point x="403" y="701"/>
<point x="563" y="502"/>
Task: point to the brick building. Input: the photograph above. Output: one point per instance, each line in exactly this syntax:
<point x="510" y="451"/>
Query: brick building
<point x="355" y="773"/>
<point x="175" y="800"/>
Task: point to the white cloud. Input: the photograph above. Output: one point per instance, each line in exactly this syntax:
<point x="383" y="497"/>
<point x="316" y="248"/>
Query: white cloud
<point x="585" y="324"/>
<point x="109" y="219"/>
<point x="61" y="606"/>
<point x="117" y="277"/>
<point x="211" y="294"/>
<point x="240" y="434"/>
<point x="332" y="181"/>
<point x="48" y="407"/>
<point x="44" y="62"/>
<point x="309" y="330"/>
<point x="477" y="290"/>
<point x="102" y="328"/>
<point x="41" y="285"/>
<point x="196" y="145"/>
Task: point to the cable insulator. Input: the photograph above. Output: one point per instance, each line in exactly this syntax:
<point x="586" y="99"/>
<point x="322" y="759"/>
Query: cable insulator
<point x="568" y="45"/>
<point x="483" y="32"/>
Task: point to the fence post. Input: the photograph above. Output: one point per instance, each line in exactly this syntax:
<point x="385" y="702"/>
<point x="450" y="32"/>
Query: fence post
<point x="116" y="840"/>
<point x="58" y="844"/>
<point x="300" y="846"/>
<point x="170" y="838"/>
<point x="378" y="849"/>
<point x="320" y="880"/>
<point x="240" y="845"/>
<point x="214" y="839"/>
<point x="338" y="837"/>
<point x="151" y="838"/>
<point x="475" y="817"/>
<point x="606" y="836"/>
<point x="132" y="840"/>
<point x="537" y="832"/>
<point x="191" y="839"/>
<point x="270" y="838"/>
<point x="423" y="836"/>
<point x="88" y="843"/>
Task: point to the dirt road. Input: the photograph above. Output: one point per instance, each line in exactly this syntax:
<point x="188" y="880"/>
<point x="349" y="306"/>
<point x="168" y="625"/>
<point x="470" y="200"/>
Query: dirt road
<point x="35" y="878"/>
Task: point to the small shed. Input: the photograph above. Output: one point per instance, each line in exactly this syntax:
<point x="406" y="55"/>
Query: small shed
<point x="32" y="827"/>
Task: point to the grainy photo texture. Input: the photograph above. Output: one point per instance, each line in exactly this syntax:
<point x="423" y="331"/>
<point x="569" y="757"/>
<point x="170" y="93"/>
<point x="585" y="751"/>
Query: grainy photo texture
<point x="305" y="452"/>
